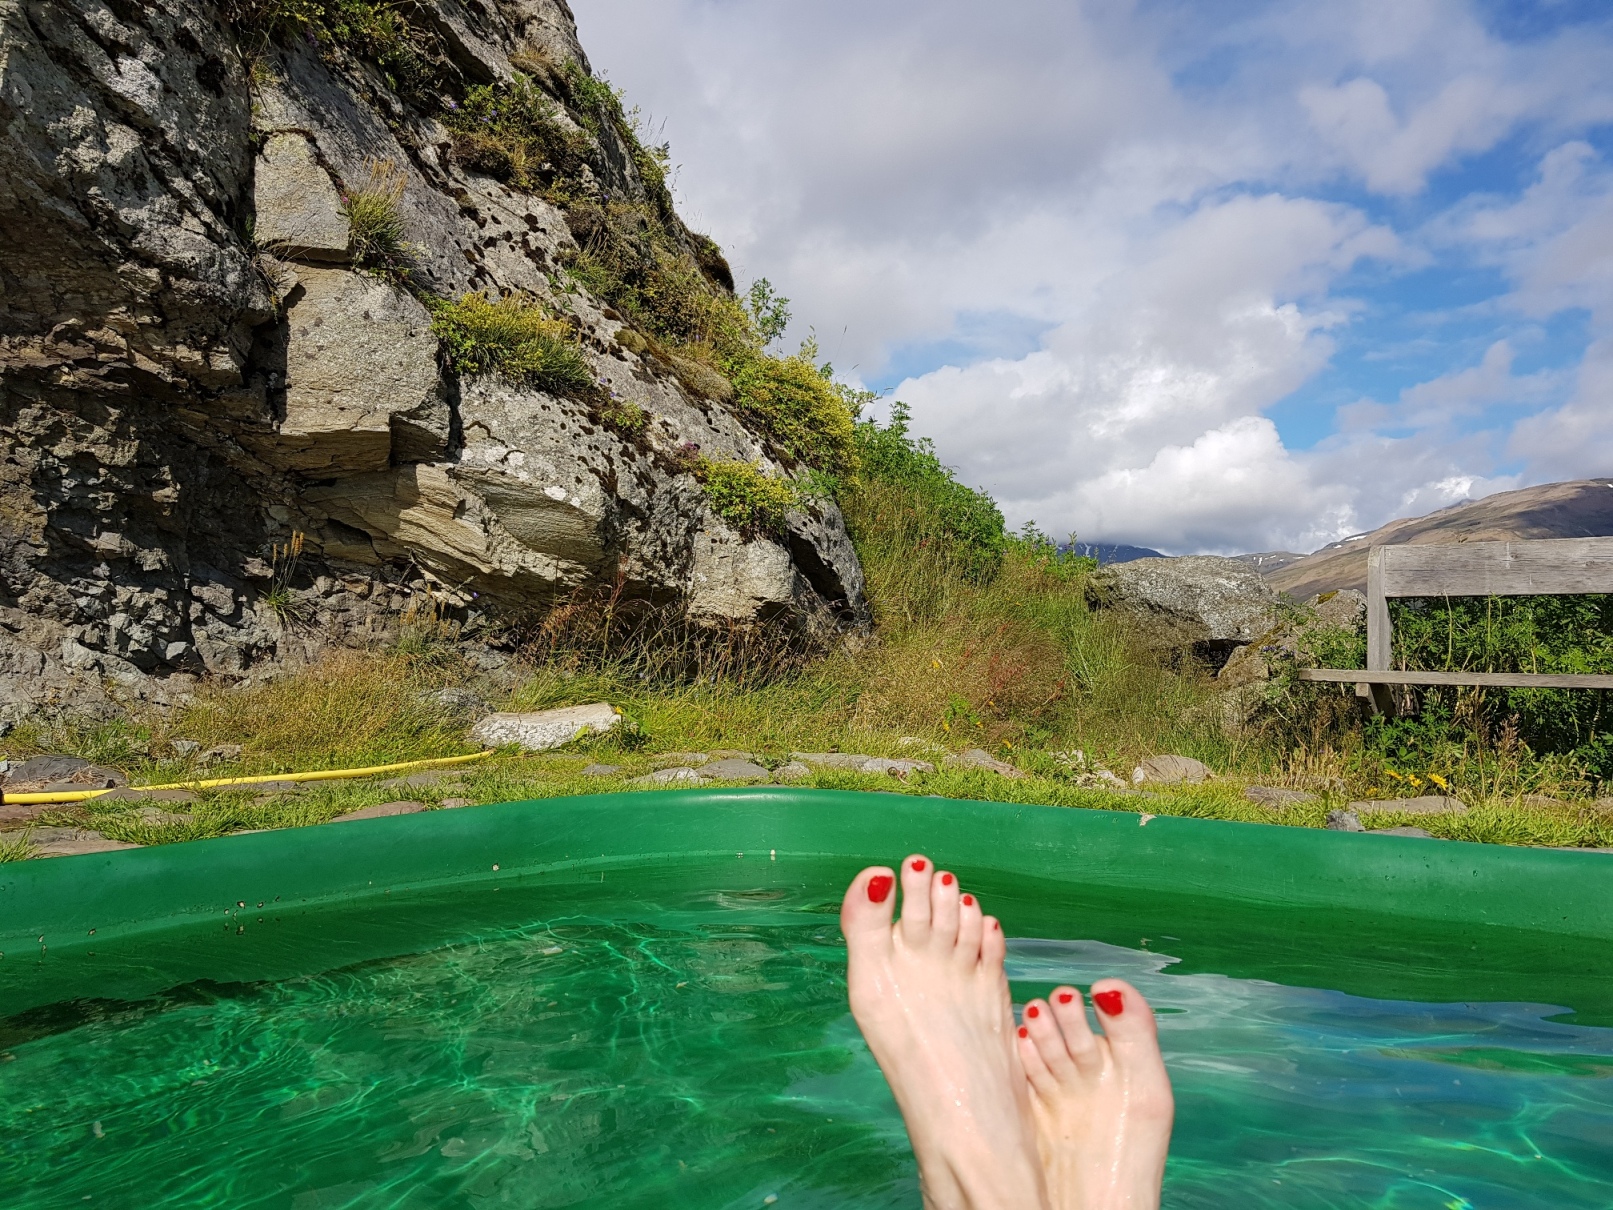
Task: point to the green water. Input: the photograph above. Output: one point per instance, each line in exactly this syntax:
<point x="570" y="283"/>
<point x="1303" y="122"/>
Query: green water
<point x="647" y="1041"/>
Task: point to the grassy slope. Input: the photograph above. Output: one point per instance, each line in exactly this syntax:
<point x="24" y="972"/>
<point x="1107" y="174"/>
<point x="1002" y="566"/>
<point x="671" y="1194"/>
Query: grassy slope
<point x="984" y="641"/>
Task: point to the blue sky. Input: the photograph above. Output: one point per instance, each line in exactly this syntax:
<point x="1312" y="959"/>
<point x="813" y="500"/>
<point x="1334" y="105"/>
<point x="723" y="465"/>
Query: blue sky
<point x="1205" y="276"/>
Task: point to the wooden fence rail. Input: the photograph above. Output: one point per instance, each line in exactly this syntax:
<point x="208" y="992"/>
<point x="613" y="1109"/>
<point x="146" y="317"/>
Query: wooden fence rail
<point x="1549" y="567"/>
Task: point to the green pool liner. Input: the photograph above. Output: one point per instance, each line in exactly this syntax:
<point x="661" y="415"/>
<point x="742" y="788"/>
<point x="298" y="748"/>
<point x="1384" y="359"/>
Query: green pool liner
<point x="1388" y="917"/>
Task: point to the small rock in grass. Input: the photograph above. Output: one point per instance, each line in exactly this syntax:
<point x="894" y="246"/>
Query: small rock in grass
<point x="453" y="804"/>
<point x="601" y="770"/>
<point x="185" y="747"/>
<point x="1171" y="771"/>
<point x="220" y="753"/>
<point x="1344" y="821"/>
<point x="134" y="794"/>
<point x="832" y="760"/>
<point x="427" y="777"/>
<point x="979" y="758"/>
<point x="80" y="773"/>
<point x="899" y="767"/>
<point x="1428" y="804"/>
<point x="540" y="730"/>
<point x="667" y="759"/>
<point x="734" y="769"/>
<point x="1417" y="832"/>
<point x="794" y="771"/>
<point x="1277" y="798"/>
<point x="669" y="777"/>
<point x="730" y="754"/>
<point x="381" y="811"/>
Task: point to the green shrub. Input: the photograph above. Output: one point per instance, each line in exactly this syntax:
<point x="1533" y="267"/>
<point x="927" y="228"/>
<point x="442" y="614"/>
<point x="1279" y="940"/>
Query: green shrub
<point x="377" y="232"/>
<point x="799" y="408"/>
<point x="511" y="132"/>
<point x="623" y="415"/>
<point x="745" y="498"/>
<point x="378" y="31"/>
<point x="514" y="339"/>
<point x="905" y="496"/>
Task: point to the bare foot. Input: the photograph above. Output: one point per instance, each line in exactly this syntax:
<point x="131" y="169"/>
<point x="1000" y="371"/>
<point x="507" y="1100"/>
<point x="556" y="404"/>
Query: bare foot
<point x="931" y="998"/>
<point x="1102" y="1103"/>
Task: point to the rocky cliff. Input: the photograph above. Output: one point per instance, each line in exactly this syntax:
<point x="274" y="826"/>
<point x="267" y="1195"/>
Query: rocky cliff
<point x="248" y="399"/>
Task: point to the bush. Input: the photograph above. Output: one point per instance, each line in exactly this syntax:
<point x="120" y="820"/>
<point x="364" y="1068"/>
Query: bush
<point x="512" y="133"/>
<point x="746" y="499"/>
<point x="798" y="407"/>
<point x="514" y="339"/>
<point x="376" y="229"/>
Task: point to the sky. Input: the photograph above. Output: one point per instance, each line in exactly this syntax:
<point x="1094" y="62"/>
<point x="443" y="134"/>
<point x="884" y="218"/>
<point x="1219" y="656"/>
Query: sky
<point x="1209" y="276"/>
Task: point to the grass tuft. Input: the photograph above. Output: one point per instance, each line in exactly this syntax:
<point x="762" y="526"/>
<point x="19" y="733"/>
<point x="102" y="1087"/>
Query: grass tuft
<point x="377" y="232"/>
<point x="512" y="338"/>
<point x="747" y="500"/>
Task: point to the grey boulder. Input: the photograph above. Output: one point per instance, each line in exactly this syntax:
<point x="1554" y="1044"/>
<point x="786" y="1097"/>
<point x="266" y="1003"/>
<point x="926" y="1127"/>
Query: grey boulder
<point x="541" y="730"/>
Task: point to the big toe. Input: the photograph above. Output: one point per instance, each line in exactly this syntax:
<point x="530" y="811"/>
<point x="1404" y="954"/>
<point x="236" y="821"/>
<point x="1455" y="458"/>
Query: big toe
<point x="1128" y="1023"/>
<point x="865" y="912"/>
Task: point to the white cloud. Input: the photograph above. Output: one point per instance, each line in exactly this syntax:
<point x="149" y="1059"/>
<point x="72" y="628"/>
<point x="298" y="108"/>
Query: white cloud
<point x="1147" y="184"/>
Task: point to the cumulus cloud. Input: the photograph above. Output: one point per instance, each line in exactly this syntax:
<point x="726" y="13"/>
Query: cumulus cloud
<point x="1177" y="218"/>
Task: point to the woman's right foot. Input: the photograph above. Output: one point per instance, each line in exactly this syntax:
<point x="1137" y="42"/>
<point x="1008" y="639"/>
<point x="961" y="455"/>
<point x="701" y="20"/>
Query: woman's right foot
<point x="931" y="997"/>
<point x="1102" y="1102"/>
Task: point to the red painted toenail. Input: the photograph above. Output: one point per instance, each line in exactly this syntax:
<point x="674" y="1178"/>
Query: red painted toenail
<point x="918" y="863"/>
<point x="1109" y="1003"/>
<point x="946" y="879"/>
<point x="968" y="901"/>
<point x="1066" y="997"/>
<point x="1023" y="1032"/>
<point x="1033" y="1011"/>
<point x="879" y="886"/>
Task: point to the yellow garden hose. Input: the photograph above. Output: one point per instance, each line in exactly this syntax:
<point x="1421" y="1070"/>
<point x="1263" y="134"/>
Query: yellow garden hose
<point x="213" y="783"/>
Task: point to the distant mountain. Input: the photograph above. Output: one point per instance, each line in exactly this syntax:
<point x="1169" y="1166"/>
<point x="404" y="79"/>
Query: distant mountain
<point x="1107" y="552"/>
<point x="1269" y="561"/>
<point x="1580" y="509"/>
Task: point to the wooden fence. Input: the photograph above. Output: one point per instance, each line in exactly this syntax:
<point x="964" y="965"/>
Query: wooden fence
<point x="1556" y="566"/>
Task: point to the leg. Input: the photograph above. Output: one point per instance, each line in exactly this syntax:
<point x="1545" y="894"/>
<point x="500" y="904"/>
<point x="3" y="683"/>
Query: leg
<point x="1103" y="1103"/>
<point x="931" y="998"/>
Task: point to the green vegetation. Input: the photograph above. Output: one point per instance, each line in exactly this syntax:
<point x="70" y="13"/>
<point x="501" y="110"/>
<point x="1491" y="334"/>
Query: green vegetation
<point x="376" y="230"/>
<point x="377" y="31"/>
<point x="797" y="405"/>
<point x="514" y="134"/>
<point x="744" y="497"/>
<point x="512" y="338"/>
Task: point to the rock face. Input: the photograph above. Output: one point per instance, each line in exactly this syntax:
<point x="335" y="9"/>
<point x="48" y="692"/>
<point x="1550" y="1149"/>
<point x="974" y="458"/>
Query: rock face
<point x="1201" y="603"/>
<point x="194" y="371"/>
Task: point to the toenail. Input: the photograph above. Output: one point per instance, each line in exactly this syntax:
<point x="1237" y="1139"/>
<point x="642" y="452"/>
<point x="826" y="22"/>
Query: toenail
<point x="1109" y="1003"/>
<point x="879" y="886"/>
<point x="1066" y="997"/>
<point x="918" y="863"/>
<point x="968" y="901"/>
<point x="1023" y="1032"/>
<point x="1033" y="1011"/>
<point x="946" y="879"/>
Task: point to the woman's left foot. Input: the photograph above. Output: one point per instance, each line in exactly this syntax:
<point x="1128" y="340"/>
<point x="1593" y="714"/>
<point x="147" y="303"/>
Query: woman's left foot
<point x="1102" y="1102"/>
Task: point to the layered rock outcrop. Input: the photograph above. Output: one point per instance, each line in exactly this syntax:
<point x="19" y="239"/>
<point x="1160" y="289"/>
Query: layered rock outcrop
<point x="195" y="374"/>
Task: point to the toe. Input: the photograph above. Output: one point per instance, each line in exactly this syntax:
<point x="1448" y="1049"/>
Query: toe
<point x="1070" y="1015"/>
<point x="917" y="871"/>
<point x="944" y="895"/>
<point x="865" y="912"/>
<point x="993" y="948"/>
<point x="1043" y="1032"/>
<point x="1128" y="1023"/>
<point x="1036" y="1071"/>
<point x="971" y="923"/>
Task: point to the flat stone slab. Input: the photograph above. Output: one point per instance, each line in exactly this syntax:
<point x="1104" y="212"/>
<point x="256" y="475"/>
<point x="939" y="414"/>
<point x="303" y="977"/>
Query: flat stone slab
<point x="679" y="775"/>
<point x="382" y="811"/>
<point x="453" y="804"/>
<point x="135" y="794"/>
<point x="731" y="754"/>
<point x="542" y="730"/>
<point x="1171" y="771"/>
<point x="680" y="758"/>
<point x="43" y="771"/>
<point x="735" y="769"/>
<point x="67" y="842"/>
<point x="1277" y="798"/>
<point x="794" y="771"/>
<point x="979" y="758"/>
<point x="1428" y="804"/>
<point x="299" y="212"/>
<point x="861" y="762"/>
<point x="601" y="770"/>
